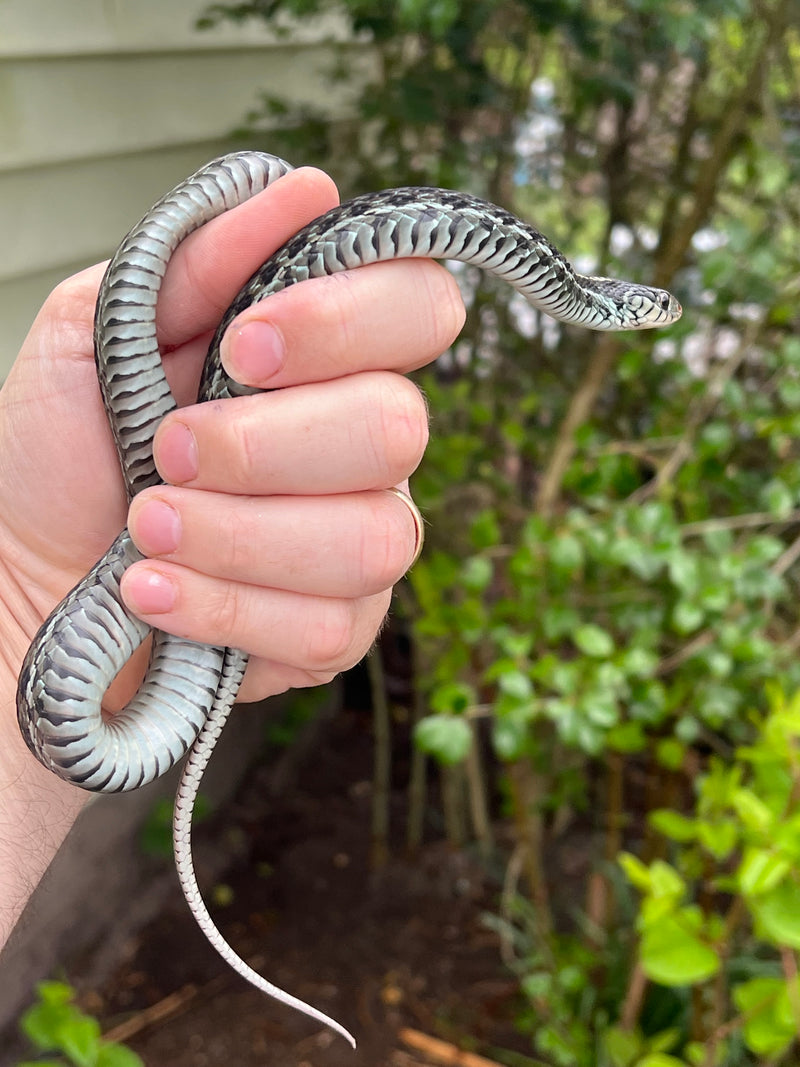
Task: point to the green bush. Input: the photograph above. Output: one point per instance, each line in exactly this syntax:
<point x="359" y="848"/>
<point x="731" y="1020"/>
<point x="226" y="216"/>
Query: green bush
<point x="608" y="589"/>
<point x="55" y="1025"/>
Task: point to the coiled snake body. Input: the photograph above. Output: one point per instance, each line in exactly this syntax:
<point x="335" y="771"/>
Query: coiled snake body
<point x="189" y="689"/>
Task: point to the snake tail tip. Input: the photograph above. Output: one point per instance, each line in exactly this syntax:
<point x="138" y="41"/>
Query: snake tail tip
<point x="343" y="1032"/>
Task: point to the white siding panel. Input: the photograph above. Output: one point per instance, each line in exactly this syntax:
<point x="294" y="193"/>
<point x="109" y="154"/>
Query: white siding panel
<point x="67" y="109"/>
<point x="56" y="221"/>
<point x="74" y="27"/>
<point x="79" y="211"/>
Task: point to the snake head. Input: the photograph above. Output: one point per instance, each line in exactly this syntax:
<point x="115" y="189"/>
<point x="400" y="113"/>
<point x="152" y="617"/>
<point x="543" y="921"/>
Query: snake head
<point x="629" y="306"/>
<point x="647" y="307"/>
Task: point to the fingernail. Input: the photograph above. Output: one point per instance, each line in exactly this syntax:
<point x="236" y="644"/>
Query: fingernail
<point x="156" y="528"/>
<point x="253" y="353"/>
<point x="149" y="592"/>
<point x="175" y="450"/>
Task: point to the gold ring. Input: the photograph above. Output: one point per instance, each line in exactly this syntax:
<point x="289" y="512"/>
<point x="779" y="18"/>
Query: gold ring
<point x="419" y="523"/>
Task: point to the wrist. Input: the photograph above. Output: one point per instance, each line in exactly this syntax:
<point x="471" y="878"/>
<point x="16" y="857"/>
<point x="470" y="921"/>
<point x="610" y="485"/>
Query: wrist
<point x="37" y="809"/>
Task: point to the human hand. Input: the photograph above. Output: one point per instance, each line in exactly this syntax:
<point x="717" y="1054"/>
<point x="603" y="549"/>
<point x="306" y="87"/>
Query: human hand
<point x="288" y="545"/>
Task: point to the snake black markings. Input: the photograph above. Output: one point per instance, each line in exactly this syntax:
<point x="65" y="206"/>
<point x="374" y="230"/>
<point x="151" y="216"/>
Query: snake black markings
<point x="189" y="689"/>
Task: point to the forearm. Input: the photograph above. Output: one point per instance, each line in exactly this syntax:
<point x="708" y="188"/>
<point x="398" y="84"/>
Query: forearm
<point x="36" y="808"/>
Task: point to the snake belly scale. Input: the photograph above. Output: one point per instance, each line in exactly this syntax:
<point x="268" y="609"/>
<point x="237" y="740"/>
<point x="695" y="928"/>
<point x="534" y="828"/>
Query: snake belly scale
<point x="189" y="689"/>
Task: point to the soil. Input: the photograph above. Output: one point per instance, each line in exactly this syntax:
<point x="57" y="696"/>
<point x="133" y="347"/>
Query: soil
<point x="404" y="948"/>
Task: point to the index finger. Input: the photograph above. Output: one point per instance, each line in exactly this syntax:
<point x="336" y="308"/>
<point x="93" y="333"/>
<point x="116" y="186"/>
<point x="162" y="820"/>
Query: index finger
<point x="209" y="268"/>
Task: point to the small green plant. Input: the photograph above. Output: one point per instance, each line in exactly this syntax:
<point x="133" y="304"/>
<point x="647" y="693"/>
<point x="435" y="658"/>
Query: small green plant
<point x="722" y="918"/>
<point x="62" y="1034"/>
<point x="712" y="978"/>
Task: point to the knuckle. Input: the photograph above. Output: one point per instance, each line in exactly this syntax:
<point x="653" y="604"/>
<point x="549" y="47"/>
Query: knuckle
<point x="447" y="313"/>
<point x="400" y="424"/>
<point x="225" y="609"/>
<point x="384" y="547"/>
<point x="236" y="540"/>
<point x="339" y="312"/>
<point x="72" y="302"/>
<point x="331" y="637"/>
<point x="245" y="454"/>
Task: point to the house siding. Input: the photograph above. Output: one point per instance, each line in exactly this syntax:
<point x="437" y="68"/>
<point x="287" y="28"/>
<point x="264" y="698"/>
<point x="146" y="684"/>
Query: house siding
<point x="106" y="105"/>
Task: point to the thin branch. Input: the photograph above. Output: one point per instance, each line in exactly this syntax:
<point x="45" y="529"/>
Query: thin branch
<point x="382" y="769"/>
<point x="634" y="997"/>
<point x="476" y="787"/>
<point x="640" y="449"/>
<point x="737" y="522"/>
<point x="163" y="1009"/>
<point x="580" y="406"/>
<point x="786" y="559"/>
<point x="529" y="826"/>
<point x="442" y="1052"/>
<point x="697" y="644"/>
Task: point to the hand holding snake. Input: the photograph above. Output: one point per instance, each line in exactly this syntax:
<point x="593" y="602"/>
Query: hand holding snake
<point x="60" y="691"/>
<point x="62" y="501"/>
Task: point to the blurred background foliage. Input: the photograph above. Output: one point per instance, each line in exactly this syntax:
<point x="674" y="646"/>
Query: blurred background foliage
<point x="604" y="627"/>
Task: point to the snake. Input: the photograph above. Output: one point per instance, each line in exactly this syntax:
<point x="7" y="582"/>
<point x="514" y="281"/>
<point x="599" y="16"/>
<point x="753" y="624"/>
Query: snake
<point x="188" y="690"/>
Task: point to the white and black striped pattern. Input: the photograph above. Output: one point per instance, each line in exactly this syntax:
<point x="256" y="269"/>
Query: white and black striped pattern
<point x="189" y="689"/>
<point x="441" y="224"/>
<point x="132" y="381"/>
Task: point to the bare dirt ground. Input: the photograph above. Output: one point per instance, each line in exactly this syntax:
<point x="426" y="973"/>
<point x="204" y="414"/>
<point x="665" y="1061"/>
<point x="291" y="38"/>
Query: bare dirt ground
<point x="402" y="956"/>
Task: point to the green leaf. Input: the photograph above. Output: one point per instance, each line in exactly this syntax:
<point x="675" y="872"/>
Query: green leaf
<point x="664" y="1040"/>
<point x="684" y="571"/>
<point x="717" y="437"/>
<point x="761" y="871"/>
<point x="660" y="1059"/>
<point x="670" y="753"/>
<point x="559" y="620"/>
<point x="696" y="1053"/>
<point x="687" y="617"/>
<point x="593" y="640"/>
<point x="43" y="1023"/>
<point x="626" y="737"/>
<point x="778" y="913"/>
<point x="81" y="1041"/>
<point x="54" y="992"/>
<point x="113" y="1055"/>
<point x="621" y="1046"/>
<point x="638" y="873"/>
<point x="509" y="737"/>
<point x="445" y="737"/>
<point x="638" y="662"/>
<point x="566" y="553"/>
<point x="537" y="984"/>
<point x="673" y="825"/>
<point x="516" y="684"/>
<point x="600" y="708"/>
<point x="760" y="1001"/>
<point x="453" y="697"/>
<point x="777" y="498"/>
<point x="719" y="838"/>
<point x="635" y="556"/>
<point x="666" y="882"/>
<point x="753" y="812"/>
<point x="485" y="530"/>
<point x="674" y="954"/>
<point x="476" y="574"/>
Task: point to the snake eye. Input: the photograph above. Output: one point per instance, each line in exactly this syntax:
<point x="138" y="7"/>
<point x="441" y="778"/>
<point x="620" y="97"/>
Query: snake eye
<point x="664" y="301"/>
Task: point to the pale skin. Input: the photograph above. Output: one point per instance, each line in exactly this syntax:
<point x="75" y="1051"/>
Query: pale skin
<point x="273" y="533"/>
